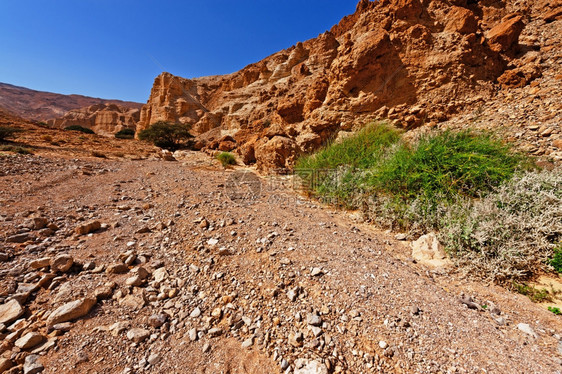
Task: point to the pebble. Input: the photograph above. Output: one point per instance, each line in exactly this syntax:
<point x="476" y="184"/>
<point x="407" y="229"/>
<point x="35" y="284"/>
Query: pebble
<point x="154" y="358"/>
<point x="383" y="344"/>
<point x="316" y="272"/>
<point x="61" y="263"/>
<point x="138" y="334"/>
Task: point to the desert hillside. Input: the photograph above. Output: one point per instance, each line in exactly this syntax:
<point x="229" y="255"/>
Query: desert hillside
<point x="42" y="106"/>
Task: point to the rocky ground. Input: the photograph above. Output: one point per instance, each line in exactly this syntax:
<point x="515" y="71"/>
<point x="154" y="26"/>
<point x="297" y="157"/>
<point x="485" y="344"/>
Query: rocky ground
<point x="128" y="265"/>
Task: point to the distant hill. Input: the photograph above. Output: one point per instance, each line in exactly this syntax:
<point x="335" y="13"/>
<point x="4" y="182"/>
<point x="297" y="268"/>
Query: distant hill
<point x="42" y="106"/>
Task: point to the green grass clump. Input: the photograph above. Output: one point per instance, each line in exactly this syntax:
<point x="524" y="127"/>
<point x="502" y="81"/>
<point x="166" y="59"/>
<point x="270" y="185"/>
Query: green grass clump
<point x="82" y="129"/>
<point x="361" y="150"/>
<point x="7" y="132"/>
<point x="15" y="149"/>
<point x="446" y="164"/>
<point x="125" y="134"/>
<point x="554" y="310"/>
<point x="226" y="159"/>
<point x="556" y="261"/>
<point x="534" y="294"/>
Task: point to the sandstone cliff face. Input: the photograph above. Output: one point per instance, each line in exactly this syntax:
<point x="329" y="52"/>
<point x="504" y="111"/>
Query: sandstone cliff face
<point x="413" y="62"/>
<point x="103" y="119"/>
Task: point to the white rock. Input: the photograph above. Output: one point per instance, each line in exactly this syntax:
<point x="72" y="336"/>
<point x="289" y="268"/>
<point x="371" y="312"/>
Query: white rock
<point x="428" y="250"/>
<point x="527" y="329"/>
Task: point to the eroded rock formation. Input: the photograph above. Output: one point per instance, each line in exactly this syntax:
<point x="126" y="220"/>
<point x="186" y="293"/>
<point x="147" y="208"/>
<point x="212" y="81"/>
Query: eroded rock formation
<point x="409" y="61"/>
<point x="103" y="119"/>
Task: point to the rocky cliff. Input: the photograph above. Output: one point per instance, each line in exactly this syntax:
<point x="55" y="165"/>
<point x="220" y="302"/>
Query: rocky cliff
<point x="411" y="61"/>
<point x="103" y="119"/>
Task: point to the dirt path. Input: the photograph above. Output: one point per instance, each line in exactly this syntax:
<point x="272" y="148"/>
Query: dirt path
<point x="245" y="276"/>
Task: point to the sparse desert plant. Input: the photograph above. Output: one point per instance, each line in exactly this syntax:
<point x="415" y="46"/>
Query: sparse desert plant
<point x="226" y="159"/>
<point x="47" y="138"/>
<point x="7" y="132"/>
<point x="534" y="294"/>
<point x="85" y="130"/>
<point x="512" y="232"/>
<point x="167" y="135"/>
<point x="125" y="134"/>
<point x="554" y="310"/>
<point x="15" y="149"/>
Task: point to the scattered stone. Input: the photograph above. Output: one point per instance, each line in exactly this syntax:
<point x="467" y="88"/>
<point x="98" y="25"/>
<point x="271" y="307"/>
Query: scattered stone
<point x="61" y="263"/>
<point x="32" y="365"/>
<point x="192" y="334"/>
<point x="10" y="311"/>
<point x="65" y="326"/>
<point x="103" y="293"/>
<point x="40" y="263"/>
<point x="195" y="313"/>
<point x="18" y="238"/>
<point x="206" y="347"/>
<point x="303" y="366"/>
<point x="88" y="228"/>
<point x="117" y="269"/>
<point x="29" y="340"/>
<point x="296" y="340"/>
<point x="214" y="332"/>
<point x="314" y="319"/>
<point x="138" y="335"/>
<point x="5" y="364"/>
<point x="248" y="343"/>
<point x="400" y="236"/>
<point x="135" y="281"/>
<point x="154" y="358"/>
<point x="160" y="274"/>
<point x="383" y="344"/>
<point x="316" y="272"/>
<point x="71" y="311"/>
<point x="527" y="329"/>
<point x="157" y="320"/>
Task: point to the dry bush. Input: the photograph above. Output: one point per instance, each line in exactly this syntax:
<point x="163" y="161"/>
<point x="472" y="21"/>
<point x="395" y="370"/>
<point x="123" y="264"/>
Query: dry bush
<point x="512" y="232"/>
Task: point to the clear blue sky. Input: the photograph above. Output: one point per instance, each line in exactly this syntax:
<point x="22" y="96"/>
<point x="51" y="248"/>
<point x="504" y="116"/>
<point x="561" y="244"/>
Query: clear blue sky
<point x="115" y="48"/>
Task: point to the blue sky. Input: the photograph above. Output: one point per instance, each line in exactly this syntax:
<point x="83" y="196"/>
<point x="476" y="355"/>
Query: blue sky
<point x="115" y="48"/>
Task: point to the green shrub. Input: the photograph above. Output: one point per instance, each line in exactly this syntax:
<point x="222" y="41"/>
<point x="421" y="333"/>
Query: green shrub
<point x="167" y="135"/>
<point x="554" y="310"/>
<point x="446" y="164"/>
<point x="226" y="159"/>
<point x="556" y="260"/>
<point x="85" y="130"/>
<point x="497" y="216"/>
<point x="125" y="134"/>
<point x="7" y="132"/>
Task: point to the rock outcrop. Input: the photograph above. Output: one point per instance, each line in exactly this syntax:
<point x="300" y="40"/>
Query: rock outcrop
<point x="413" y="62"/>
<point x="103" y="119"/>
